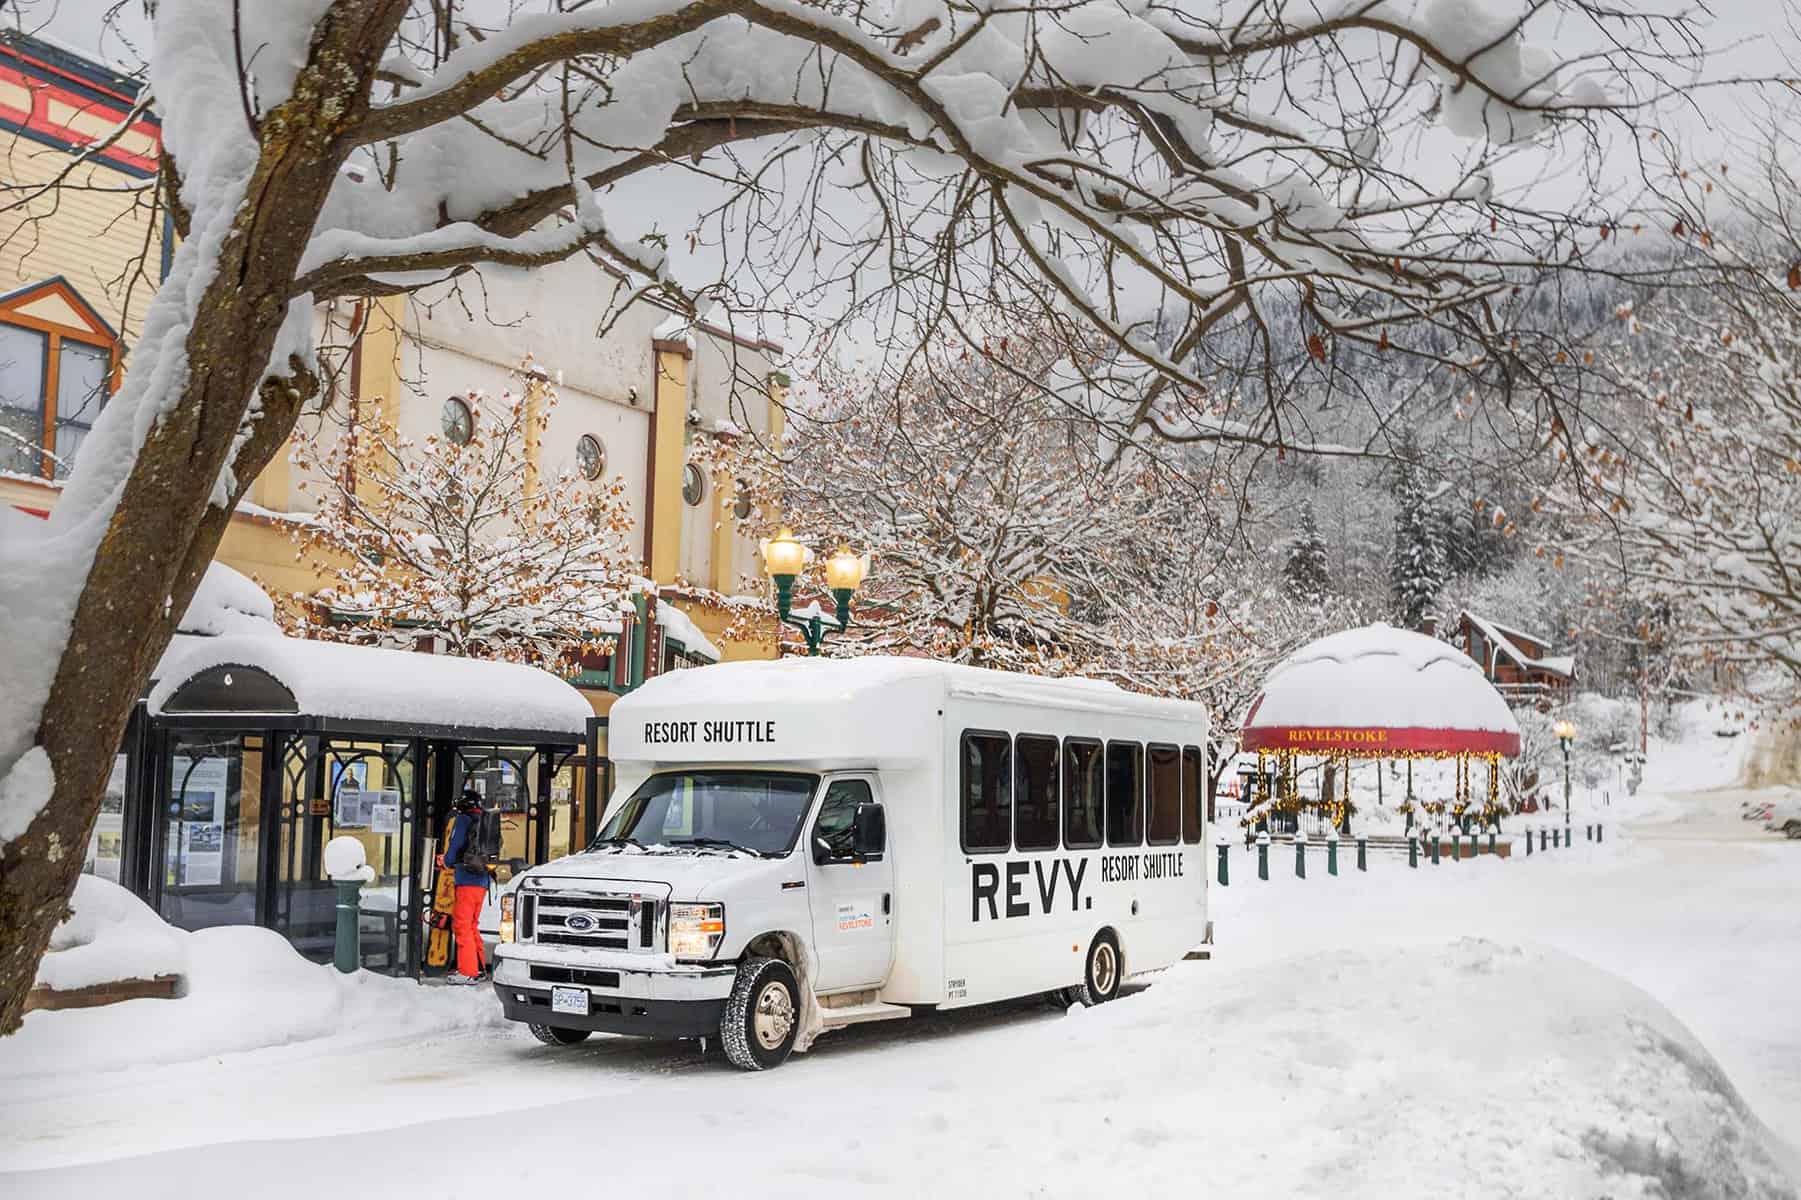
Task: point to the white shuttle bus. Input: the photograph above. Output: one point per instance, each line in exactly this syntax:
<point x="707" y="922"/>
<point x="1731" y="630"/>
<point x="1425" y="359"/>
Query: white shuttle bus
<point x="800" y="845"/>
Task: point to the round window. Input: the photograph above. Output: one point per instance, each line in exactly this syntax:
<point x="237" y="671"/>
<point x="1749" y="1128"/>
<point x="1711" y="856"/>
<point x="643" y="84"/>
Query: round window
<point x="741" y="509"/>
<point x="694" y="483"/>
<point x="590" y="456"/>
<point x="458" y="422"/>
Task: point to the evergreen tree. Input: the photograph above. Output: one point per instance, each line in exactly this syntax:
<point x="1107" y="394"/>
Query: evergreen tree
<point x="1305" y="568"/>
<point x="1417" y="567"/>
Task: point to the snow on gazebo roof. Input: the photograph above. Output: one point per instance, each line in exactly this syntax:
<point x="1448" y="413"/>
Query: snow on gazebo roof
<point x="1380" y="690"/>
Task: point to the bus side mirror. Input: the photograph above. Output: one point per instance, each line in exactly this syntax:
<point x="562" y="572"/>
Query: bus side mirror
<point x="869" y="831"/>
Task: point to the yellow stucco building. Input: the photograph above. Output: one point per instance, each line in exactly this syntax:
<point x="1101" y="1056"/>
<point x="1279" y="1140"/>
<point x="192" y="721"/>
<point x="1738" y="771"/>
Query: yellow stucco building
<point x="78" y="267"/>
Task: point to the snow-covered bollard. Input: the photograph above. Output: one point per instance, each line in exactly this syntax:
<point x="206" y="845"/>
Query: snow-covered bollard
<point x="1544" y="838"/>
<point x="1528" y="841"/>
<point x="1437" y="837"/>
<point x="1413" y="850"/>
<point x="1363" y="850"/>
<point x="1300" y="852"/>
<point x="1332" y="851"/>
<point x="1263" y="855"/>
<point x="1597" y="833"/>
<point x="1225" y="845"/>
<point x="1494" y="831"/>
<point x="348" y="866"/>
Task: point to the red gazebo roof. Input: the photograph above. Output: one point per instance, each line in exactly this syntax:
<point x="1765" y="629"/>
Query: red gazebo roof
<point x="1378" y="691"/>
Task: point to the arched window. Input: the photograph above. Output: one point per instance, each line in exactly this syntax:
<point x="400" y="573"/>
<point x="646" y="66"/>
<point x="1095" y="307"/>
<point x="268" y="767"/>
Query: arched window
<point x="58" y="366"/>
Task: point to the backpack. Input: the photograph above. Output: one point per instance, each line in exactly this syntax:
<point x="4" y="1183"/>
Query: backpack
<point x="482" y="847"/>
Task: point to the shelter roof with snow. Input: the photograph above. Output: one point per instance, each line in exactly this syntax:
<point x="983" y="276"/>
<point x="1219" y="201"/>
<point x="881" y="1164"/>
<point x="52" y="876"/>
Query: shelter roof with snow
<point x="230" y="659"/>
<point x="1376" y="691"/>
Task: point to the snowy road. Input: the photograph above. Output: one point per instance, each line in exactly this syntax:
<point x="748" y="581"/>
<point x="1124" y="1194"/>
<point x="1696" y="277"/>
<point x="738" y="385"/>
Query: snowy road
<point x="1345" y="1041"/>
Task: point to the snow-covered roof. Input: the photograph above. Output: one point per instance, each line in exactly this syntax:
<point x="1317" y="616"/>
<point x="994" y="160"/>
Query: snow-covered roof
<point x="1501" y="637"/>
<point x="1377" y="689"/>
<point x="880" y="709"/>
<point x="679" y="626"/>
<point x="226" y="601"/>
<point x="366" y="683"/>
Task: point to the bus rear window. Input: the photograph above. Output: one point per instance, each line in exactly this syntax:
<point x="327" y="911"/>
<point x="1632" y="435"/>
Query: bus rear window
<point x="1082" y="792"/>
<point x="1164" y="823"/>
<point x="987" y="793"/>
<point x="1125" y="794"/>
<point x="1194" y="780"/>
<point x="1035" y="792"/>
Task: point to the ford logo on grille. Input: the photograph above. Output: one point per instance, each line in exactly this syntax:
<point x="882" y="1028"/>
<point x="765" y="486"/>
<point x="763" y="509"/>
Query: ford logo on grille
<point x="579" y="923"/>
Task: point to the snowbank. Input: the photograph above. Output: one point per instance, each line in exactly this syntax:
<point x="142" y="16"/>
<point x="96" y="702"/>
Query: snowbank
<point x="109" y="935"/>
<point x="246" y="989"/>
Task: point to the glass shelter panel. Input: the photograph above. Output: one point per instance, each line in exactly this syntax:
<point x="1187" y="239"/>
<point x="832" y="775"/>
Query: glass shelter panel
<point x="210" y="828"/>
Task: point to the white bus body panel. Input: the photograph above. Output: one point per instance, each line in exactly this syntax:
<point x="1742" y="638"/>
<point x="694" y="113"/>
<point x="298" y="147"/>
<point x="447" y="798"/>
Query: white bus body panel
<point x="902" y="720"/>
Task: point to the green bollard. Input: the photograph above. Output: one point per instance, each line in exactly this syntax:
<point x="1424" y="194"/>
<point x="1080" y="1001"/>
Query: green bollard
<point x="1588" y="833"/>
<point x="1413" y="851"/>
<point x="1224" y="846"/>
<point x="1494" y="831"/>
<point x="348" y="949"/>
<point x="1436" y="844"/>
<point x="1300" y="854"/>
<point x="1456" y="843"/>
<point x="1597" y="833"/>
<point x="1544" y="838"/>
<point x="1263" y="856"/>
<point x="1332" y="854"/>
<point x="1556" y="838"/>
<point x="1528" y="843"/>
<point x="1362" y="853"/>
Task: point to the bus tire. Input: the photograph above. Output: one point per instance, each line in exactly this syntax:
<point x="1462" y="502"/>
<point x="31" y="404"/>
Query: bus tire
<point x="762" y="1017"/>
<point x="1102" y="971"/>
<point x="558" y="1035"/>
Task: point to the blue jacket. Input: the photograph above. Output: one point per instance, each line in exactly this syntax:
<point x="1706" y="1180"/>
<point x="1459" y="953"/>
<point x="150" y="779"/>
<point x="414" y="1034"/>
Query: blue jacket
<point x="460" y="832"/>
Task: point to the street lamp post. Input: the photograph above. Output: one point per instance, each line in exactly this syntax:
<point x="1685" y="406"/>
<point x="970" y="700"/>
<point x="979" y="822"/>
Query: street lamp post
<point x="1566" y="733"/>
<point x="783" y="558"/>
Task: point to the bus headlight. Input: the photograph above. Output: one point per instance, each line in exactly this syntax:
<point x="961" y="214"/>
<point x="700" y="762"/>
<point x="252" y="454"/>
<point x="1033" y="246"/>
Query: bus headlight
<point x="506" y="917"/>
<point x="695" y="930"/>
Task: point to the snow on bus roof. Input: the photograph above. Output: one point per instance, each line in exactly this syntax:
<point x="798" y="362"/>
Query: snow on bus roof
<point x="842" y="680"/>
<point x="368" y="683"/>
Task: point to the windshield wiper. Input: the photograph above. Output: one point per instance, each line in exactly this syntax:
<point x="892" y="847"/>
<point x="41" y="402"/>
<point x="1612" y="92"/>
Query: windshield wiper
<point x="721" y="843"/>
<point x="619" y="841"/>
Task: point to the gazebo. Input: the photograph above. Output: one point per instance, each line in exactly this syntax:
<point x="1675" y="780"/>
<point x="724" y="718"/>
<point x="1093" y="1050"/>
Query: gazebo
<point x="1374" y="693"/>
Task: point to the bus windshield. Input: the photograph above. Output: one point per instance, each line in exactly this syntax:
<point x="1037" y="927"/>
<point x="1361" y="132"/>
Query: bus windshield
<point x="755" y="811"/>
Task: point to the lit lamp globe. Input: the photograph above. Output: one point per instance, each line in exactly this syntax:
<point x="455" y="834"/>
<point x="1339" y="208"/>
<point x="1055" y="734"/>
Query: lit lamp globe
<point x="1565" y="730"/>
<point x="844" y="573"/>
<point x="783" y="558"/>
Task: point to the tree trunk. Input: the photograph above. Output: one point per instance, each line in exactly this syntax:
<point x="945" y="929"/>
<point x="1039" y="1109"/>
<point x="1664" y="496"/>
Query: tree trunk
<point x="164" y="529"/>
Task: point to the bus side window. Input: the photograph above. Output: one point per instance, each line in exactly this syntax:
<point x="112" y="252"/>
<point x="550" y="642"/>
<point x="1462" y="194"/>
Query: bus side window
<point x="1194" y="781"/>
<point x="1082" y="792"/>
<point x="1035" y="792"/>
<point x="1125" y="794"/>
<point x="1164" y="826"/>
<point x="987" y="793"/>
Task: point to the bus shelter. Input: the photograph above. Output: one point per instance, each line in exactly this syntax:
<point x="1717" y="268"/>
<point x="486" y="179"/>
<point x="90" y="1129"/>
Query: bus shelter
<point x="253" y="750"/>
<point x="1378" y="693"/>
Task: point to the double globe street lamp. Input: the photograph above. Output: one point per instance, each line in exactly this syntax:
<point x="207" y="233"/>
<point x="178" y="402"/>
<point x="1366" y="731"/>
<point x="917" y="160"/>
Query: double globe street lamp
<point x="783" y="559"/>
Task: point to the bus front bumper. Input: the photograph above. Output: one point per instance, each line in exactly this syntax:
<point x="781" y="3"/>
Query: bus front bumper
<point x="684" y="1003"/>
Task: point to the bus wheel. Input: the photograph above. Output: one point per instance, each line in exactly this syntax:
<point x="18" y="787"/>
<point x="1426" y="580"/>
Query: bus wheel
<point x="762" y="1017"/>
<point x="556" y="1035"/>
<point x="1102" y="974"/>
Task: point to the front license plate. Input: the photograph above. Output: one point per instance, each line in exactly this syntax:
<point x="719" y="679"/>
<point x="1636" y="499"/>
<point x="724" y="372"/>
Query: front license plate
<point x="570" y="1000"/>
